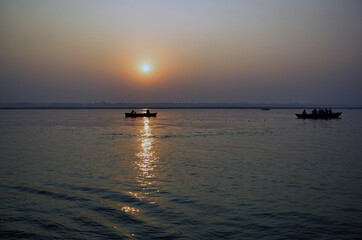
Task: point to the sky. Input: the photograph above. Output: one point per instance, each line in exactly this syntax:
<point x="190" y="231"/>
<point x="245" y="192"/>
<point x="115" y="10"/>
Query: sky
<point x="256" y="51"/>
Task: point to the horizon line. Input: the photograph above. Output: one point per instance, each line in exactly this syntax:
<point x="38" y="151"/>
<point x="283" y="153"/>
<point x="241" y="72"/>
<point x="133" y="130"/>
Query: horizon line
<point x="170" y="105"/>
<point x="175" y="103"/>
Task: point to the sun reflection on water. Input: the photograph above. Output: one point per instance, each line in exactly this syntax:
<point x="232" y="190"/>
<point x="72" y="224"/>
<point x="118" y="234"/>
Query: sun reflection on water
<point x="147" y="161"/>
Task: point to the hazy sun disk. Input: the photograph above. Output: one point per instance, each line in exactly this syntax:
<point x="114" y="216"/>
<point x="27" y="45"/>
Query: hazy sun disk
<point x="145" y="68"/>
<point x="142" y="71"/>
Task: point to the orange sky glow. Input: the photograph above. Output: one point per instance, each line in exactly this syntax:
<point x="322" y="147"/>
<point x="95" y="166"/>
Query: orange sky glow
<point x="196" y="51"/>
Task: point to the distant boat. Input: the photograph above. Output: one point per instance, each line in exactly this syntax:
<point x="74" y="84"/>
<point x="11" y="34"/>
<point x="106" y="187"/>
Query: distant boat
<point x="319" y="116"/>
<point x="133" y="115"/>
<point x="265" y="109"/>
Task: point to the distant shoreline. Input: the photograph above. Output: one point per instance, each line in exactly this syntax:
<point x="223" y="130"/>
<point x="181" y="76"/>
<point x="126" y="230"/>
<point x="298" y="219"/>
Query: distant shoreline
<point x="150" y="107"/>
<point x="170" y="105"/>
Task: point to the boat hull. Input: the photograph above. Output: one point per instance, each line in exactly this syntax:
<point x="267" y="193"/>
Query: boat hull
<point x="134" y="115"/>
<point x="318" y="116"/>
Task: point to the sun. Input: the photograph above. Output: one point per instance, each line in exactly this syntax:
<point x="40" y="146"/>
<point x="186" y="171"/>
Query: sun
<point x="145" y="68"/>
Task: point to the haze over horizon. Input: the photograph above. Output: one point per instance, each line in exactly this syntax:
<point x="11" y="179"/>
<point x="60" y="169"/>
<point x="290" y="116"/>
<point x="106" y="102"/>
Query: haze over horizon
<point x="181" y="51"/>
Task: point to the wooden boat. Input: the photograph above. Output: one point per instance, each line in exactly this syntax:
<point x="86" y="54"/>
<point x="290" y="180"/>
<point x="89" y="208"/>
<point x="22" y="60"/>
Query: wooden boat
<point x="319" y="116"/>
<point x="133" y="115"/>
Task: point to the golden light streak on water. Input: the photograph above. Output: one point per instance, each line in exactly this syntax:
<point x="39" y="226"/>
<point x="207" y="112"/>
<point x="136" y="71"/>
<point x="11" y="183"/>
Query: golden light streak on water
<point x="147" y="161"/>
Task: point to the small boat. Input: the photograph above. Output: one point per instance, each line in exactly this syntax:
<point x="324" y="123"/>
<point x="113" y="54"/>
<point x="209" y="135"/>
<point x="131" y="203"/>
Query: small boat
<point x="319" y="116"/>
<point x="133" y="115"/>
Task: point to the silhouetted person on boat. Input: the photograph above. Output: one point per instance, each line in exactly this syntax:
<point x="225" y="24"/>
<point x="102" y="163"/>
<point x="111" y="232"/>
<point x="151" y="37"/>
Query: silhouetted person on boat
<point x="133" y="112"/>
<point x="314" y="112"/>
<point x="148" y="112"/>
<point x="304" y="112"/>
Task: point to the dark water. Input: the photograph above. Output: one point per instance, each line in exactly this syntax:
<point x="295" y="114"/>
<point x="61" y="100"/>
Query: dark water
<point x="188" y="174"/>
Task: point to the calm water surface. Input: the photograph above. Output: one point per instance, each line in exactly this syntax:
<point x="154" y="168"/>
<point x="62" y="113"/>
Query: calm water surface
<point x="188" y="174"/>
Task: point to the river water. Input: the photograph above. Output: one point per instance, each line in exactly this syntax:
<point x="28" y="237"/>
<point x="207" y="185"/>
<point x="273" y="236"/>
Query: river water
<point x="186" y="174"/>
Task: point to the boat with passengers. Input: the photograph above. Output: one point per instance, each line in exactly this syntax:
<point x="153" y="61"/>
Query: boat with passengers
<point x="320" y="114"/>
<point x="134" y="114"/>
